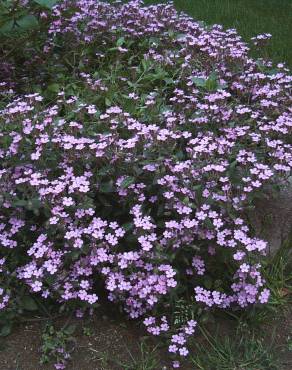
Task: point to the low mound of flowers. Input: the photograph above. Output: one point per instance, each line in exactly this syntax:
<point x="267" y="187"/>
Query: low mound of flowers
<point x="133" y="170"/>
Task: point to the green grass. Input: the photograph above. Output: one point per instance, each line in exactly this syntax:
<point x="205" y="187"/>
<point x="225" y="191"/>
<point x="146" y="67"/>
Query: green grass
<point x="244" y="351"/>
<point x="249" y="17"/>
<point x="147" y="359"/>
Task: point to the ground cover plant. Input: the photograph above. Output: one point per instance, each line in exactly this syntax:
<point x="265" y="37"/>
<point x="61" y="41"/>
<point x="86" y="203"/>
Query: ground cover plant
<point x="249" y="17"/>
<point x="133" y="142"/>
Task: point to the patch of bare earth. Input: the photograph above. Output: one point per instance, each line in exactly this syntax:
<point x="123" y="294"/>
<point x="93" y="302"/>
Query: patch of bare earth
<point x="108" y="346"/>
<point x="112" y="343"/>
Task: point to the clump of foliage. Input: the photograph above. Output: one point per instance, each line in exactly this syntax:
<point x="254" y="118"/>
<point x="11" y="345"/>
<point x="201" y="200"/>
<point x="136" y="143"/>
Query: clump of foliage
<point x="23" y="29"/>
<point x="57" y="345"/>
<point x="132" y="144"/>
<point x="246" y="352"/>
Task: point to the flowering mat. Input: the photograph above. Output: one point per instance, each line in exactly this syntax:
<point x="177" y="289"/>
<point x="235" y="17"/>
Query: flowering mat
<point x="134" y="145"/>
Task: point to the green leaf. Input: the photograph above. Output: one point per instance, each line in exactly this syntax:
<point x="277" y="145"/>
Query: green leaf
<point x="233" y="165"/>
<point x="28" y="303"/>
<point x="69" y="330"/>
<point x="27" y="22"/>
<point x="30" y="204"/>
<point x="113" y="49"/>
<point x="19" y="203"/>
<point x="200" y="82"/>
<point x="104" y="170"/>
<point x="209" y="223"/>
<point x="211" y="85"/>
<point x="7" y="27"/>
<point x="212" y="82"/>
<point x="108" y="103"/>
<point x="168" y="81"/>
<point x="50" y="279"/>
<point x="128" y="226"/>
<point x="179" y="155"/>
<point x="129" y="180"/>
<point x="120" y="41"/>
<point x="131" y="84"/>
<point x="208" y="282"/>
<point x="106" y="187"/>
<point x="186" y="200"/>
<point x="5" y="330"/>
<point x="131" y="238"/>
<point x="34" y="203"/>
<point x="46" y="3"/>
<point x="54" y="87"/>
<point x="145" y="64"/>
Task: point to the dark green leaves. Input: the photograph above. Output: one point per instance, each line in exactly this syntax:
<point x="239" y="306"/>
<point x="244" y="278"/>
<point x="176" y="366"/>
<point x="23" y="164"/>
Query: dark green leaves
<point x="107" y="187"/>
<point x="29" y="204"/>
<point x="199" y="82"/>
<point x="46" y="3"/>
<point x="19" y="203"/>
<point x="212" y="82"/>
<point x="28" y="304"/>
<point x="6" y="322"/>
<point x="233" y="165"/>
<point x="128" y="226"/>
<point x="120" y="41"/>
<point x="5" y="330"/>
<point x="129" y="180"/>
<point x="7" y="27"/>
<point x="209" y="84"/>
<point x="70" y="329"/>
<point x="54" y="88"/>
<point x="27" y="22"/>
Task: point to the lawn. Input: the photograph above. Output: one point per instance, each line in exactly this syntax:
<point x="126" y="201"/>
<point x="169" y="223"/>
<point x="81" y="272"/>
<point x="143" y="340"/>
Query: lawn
<point x="249" y="17"/>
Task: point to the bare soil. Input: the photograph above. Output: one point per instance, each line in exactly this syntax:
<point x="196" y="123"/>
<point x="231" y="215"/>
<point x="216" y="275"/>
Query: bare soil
<point x="113" y="343"/>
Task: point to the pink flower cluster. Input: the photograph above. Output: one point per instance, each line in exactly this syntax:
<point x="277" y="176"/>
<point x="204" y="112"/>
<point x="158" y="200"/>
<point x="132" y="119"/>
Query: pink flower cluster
<point x="258" y="40"/>
<point x="141" y="180"/>
<point x="179" y="341"/>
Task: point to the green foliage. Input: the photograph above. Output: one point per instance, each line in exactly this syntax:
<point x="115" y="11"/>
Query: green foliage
<point x="279" y="276"/>
<point x="146" y="360"/>
<point x="57" y="343"/>
<point x="23" y="304"/>
<point x="29" y="304"/>
<point x="244" y="351"/>
<point x="46" y="3"/>
<point x="15" y="19"/>
<point x="209" y="84"/>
